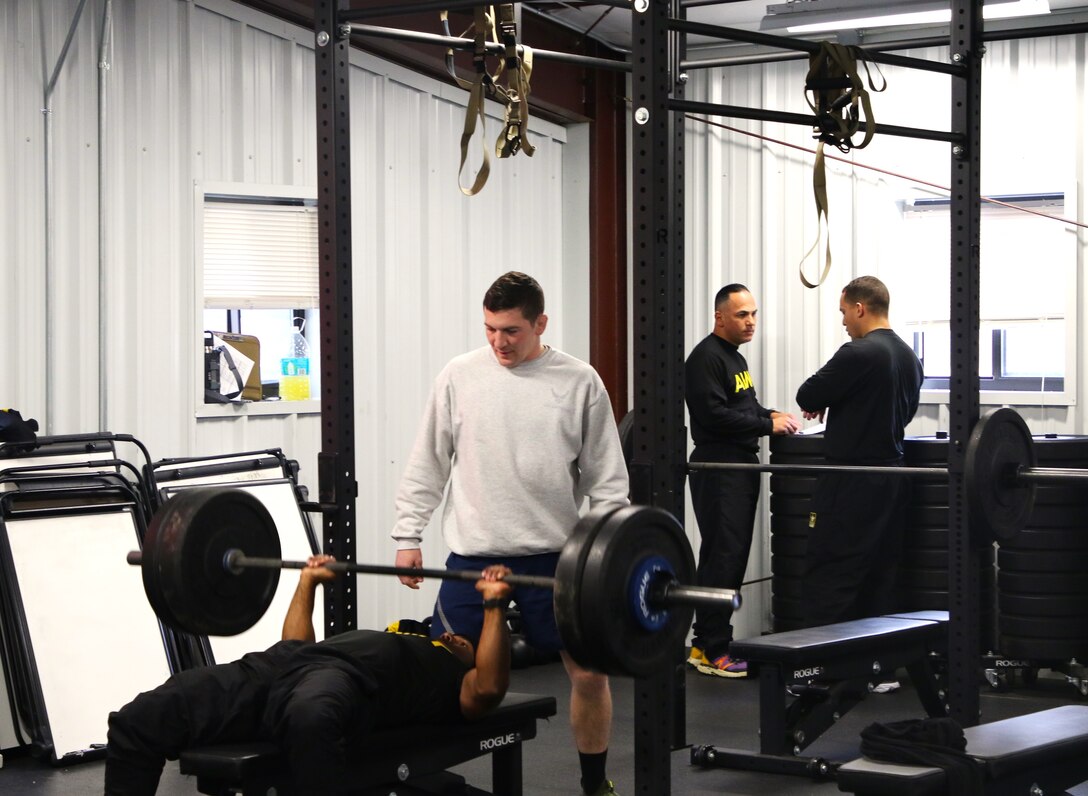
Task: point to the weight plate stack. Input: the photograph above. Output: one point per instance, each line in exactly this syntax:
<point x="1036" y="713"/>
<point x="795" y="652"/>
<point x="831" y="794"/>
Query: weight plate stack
<point x="791" y="497"/>
<point x="1042" y="583"/>
<point x="923" y="570"/>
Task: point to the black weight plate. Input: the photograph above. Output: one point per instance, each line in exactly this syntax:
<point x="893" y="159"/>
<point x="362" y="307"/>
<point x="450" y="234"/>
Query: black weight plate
<point x="615" y="640"/>
<point x="1040" y="649"/>
<point x="1067" y="627"/>
<point x="1042" y="561"/>
<point x="929" y="493"/>
<point x="938" y="578"/>
<point x="1031" y="539"/>
<point x="184" y="548"/>
<point x="785" y="545"/>
<point x="1058" y="516"/>
<point x="1061" y="495"/>
<point x="925" y="451"/>
<point x="790" y="506"/>
<point x="567" y="593"/>
<point x="809" y="445"/>
<point x="924" y="600"/>
<point x="919" y="516"/>
<point x="1061" y="450"/>
<point x="915" y="558"/>
<point x="626" y="429"/>
<point x="926" y="538"/>
<point x="801" y="485"/>
<point x="792" y="526"/>
<point x="1047" y="605"/>
<point x="1054" y="583"/>
<point x="790" y="566"/>
<point x="999" y="443"/>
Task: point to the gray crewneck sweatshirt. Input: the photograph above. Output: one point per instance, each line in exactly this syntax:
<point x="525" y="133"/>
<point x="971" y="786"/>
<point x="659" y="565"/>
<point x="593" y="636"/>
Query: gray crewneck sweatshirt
<point x="520" y="447"/>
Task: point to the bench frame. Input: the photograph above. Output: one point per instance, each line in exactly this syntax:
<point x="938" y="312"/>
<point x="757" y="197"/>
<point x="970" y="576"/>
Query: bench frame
<point x="831" y="667"/>
<point x="412" y="757"/>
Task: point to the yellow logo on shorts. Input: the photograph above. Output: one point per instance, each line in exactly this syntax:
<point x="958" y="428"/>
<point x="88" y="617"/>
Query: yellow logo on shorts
<point x="812" y="519"/>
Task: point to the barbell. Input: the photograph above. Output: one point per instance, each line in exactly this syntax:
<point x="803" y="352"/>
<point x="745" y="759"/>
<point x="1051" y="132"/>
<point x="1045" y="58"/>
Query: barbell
<point x="211" y="564"/>
<point x="999" y="474"/>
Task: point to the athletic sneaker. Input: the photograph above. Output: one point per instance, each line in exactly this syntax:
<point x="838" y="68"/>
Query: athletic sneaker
<point x="606" y="789"/>
<point x="884" y="687"/>
<point x="697" y="658"/>
<point x="725" y="667"/>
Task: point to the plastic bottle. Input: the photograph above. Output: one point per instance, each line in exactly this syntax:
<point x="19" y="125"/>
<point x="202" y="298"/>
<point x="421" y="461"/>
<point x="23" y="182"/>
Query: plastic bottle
<point x="295" y="366"/>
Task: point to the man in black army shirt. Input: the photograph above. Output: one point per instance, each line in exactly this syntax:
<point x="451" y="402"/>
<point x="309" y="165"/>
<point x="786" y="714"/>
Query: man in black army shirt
<point x="726" y="423"/>
<point x="313" y="698"/>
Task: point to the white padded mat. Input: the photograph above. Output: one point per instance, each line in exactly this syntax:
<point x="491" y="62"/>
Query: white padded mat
<point x="96" y="641"/>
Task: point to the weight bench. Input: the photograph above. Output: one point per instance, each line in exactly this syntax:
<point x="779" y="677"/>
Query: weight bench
<point x="414" y="759"/>
<point x="830" y="668"/>
<point x="1044" y="752"/>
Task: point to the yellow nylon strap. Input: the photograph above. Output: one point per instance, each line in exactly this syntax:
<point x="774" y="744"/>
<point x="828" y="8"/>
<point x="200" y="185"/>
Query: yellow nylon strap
<point x="819" y="191"/>
<point x="838" y="106"/>
<point x="483" y="24"/>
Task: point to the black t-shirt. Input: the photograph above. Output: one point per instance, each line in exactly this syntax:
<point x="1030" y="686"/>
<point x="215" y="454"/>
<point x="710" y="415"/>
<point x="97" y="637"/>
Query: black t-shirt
<point x="870" y="389"/>
<point x="721" y="399"/>
<point x="415" y="681"/>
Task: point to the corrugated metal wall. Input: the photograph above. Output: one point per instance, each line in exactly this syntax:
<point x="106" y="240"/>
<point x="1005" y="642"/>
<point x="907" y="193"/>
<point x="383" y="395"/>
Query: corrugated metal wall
<point x="210" y="92"/>
<point x="751" y="215"/>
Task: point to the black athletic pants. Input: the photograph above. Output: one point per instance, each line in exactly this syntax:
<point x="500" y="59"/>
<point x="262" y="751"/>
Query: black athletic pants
<point x="854" y="546"/>
<point x="309" y="710"/>
<point x="725" y="510"/>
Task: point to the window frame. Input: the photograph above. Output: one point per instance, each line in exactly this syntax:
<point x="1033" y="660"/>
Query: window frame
<point x="1016" y="390"/>
<point x="246" y="190"/>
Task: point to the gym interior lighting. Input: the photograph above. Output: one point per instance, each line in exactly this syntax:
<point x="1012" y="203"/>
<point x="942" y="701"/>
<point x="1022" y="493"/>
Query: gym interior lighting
<point x="811" y="16"/>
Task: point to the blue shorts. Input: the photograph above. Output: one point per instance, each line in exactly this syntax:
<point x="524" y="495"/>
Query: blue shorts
<point x="459" y="608"/>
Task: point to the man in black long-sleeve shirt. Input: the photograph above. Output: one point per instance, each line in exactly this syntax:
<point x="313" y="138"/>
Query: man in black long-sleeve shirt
<point x="726" y="423"/>
<point x="869" y="390"/>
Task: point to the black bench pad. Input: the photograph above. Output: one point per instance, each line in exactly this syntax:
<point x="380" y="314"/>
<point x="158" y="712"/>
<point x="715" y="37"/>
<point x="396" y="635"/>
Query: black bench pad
<point x="386" y="755"/>
<point x="859" y="637"/>
<point x="1051" y="744"/>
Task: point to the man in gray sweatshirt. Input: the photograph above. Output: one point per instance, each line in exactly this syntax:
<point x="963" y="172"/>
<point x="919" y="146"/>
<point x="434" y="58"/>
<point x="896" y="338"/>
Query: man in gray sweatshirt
<point x="521" y="433"/>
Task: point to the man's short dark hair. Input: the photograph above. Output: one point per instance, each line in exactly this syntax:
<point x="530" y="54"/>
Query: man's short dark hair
<point x="871" y="292"/>
<point x="516" y="291"/>
<point x="723" y="295"/>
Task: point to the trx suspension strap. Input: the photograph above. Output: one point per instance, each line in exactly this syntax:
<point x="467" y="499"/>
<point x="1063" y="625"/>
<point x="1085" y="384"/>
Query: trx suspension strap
<point x="518" y="71"/>
<point x="515" y="96"/>
<point x="833" y="90"/>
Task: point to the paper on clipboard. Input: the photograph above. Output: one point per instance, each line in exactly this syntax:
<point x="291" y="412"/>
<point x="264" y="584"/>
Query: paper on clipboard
<point x="229" y="382"/>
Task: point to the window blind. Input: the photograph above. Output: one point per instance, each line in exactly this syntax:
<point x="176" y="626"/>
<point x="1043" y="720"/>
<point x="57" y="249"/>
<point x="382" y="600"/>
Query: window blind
<point x="260" y="255"/>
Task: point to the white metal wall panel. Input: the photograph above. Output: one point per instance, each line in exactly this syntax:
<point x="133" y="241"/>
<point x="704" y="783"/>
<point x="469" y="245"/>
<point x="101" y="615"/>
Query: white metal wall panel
<point x="210" y="92"/>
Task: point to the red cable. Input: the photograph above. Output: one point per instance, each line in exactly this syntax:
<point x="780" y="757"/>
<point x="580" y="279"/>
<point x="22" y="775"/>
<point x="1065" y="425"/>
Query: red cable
<point x="882" y="171"/>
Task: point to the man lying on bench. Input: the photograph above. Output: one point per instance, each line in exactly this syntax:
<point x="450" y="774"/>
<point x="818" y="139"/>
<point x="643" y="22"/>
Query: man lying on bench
<point x="313" y="698"/>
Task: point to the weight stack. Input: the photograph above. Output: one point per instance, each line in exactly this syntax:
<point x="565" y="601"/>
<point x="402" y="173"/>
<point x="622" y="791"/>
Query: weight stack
<point x="1042" y="582"/>
<point x="923" y="570"/>
<point x="791" y="496"/>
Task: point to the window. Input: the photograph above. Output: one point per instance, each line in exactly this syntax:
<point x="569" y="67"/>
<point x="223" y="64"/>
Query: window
<point x="1027" y="335"/>
<point x="259" y="274"/>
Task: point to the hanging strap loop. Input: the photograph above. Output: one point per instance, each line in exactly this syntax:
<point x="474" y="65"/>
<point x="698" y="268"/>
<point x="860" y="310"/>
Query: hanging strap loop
<point x="834" y="91"/>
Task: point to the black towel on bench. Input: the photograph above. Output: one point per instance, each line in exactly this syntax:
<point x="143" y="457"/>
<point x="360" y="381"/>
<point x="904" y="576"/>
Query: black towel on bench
<point x="928" y="742"/>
